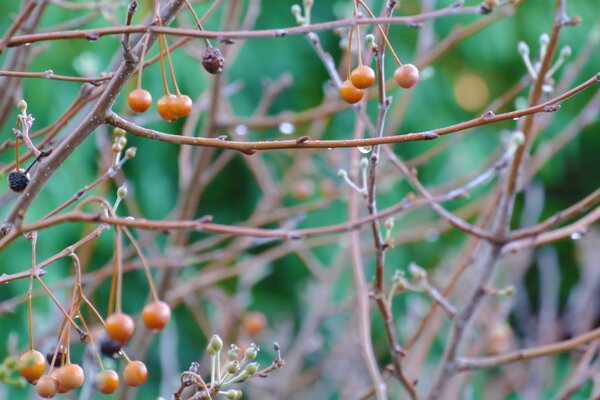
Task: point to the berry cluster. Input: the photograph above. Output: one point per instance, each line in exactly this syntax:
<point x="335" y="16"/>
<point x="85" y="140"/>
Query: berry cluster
<point x="171" y="106"/>
<point x="362" y="77"/>
<point x="63" y="375"/>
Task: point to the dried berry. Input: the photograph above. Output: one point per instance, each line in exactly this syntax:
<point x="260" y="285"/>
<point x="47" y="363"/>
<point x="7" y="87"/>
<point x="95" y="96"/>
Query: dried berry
<point x="108" y="347"/>
<point x="60" y="356"/>
<point x="213" y="60"/>
<point x="18" y="180"/>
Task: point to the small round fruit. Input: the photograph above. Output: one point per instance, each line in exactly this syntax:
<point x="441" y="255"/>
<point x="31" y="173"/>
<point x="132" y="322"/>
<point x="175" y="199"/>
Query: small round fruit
<point x="156" y="315"/>
<point x="120" y="327"/>
<point x="70" y="376"/>
<point x="362" y="77"/>
<point x="181" y="105"/>
<point x="213" y="60"/>
<point x="165" y="109"/>
<point x="107" y="381"/>
<point x="46" y="386"/>
<point x="406" y="76"/>
<point x="254" y="323"/>
<point x="135" y="373"/>
<point x="139" y="100"/>
<point x="349" y="93"/>
<point x="32" y="365"/>
<point x="18" y="180"/>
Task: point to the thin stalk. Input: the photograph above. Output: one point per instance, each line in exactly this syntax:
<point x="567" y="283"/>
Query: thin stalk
<point x="138" y="250"/>
<point x="162" y="66"/>
<point x="198" y="23"/>
<point x="383" y="35"/>
<point x="141" y="63"/>
<point x="170" y="63"/>
<point x="348" y="53"/>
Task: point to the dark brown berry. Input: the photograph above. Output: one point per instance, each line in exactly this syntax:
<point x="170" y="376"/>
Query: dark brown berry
<point x="213" y="60"/>
<point x="108" y="347"/>
<point x="18" y="180"/>
<point x="60" y="356"/>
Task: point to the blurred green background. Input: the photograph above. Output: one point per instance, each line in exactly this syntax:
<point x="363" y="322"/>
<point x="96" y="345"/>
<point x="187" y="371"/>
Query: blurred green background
<point x="483" y="66"/>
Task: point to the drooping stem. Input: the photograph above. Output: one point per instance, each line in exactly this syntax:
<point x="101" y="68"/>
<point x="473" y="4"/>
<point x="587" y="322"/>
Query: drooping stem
<point x="383" y="35"/>
<point x="349" y="52"/>
<point x="138" y="250"/>
<point x="171" y="70"/>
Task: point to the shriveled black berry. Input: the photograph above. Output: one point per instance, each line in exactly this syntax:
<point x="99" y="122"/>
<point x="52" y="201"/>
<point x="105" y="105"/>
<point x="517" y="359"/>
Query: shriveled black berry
<point x="108" y="347"/>
<point x="213" y="60"/>
<point x="59" y="356"/>
<point x="18" y="181"/>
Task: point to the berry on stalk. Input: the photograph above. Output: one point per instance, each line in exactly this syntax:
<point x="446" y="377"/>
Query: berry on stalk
<point x="32" y="365"/>
<point x="139" y="100"/>
<point x="406" y="76"/>
<point x="107" y="381"/>
<point x="156" y="315"/>
<point x="120" y="327"/>
<point x="46" y="386"/>
<point x="135" y="373"/>
<point x="349" y="93"/>
<point x="164" y="107"/>
<point x="362" y="77"/>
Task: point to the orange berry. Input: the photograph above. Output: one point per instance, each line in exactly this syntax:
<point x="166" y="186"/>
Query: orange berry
<point x="135" y="373"/>
<point x="254" y="323"/>
<point x="107" y="381"/>
<point x="165" y="109"/>
<point x="46" y="386"/>
<point x="349" y="93"/>
<point x="139" y="100"/>
<point x="70" y="376"/>
<point x="181" y="105"/>
<point x="362" y="77"/>
<point x="406" y="76"/>
<point x="32" y="365"/>
<point x="119" y="327"/>
<point x="156" y="315"/>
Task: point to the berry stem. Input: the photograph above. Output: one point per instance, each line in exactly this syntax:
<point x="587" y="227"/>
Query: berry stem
<point x="170" y="63"/>
<point x="58" y="345"/>
<point x="119" y="267"/>
<point x="358" y="49"/>
<point x="349" y="52"/>
<point x="138" y="250"/>
<point x="162" y="67"/>
<point x="198" y="23"/>
<point x="141" y="62"/>
<point x="94" y="350"/>
<point x="33" y="238"/>
<point x="17" y="145"/>
<point x="383" y="35"/>
<point x="49" y="292"/>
